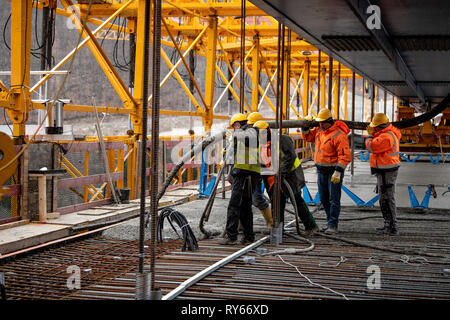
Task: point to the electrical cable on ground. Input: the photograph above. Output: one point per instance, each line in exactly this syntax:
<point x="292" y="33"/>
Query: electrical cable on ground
<point x="313" y="283"/>
<point x="292" y="250"/>
<point x="189" y="240"/>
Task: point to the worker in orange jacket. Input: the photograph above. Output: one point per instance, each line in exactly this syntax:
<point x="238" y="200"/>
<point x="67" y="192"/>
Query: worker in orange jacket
<point x="331" y="156"/>
<point x="384" y="163"/>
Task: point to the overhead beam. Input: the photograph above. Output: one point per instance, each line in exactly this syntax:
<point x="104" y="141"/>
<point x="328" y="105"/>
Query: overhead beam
<point x="384" y="41"/>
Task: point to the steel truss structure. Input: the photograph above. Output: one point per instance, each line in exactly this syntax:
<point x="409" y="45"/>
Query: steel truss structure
<point x="210" y="29"/>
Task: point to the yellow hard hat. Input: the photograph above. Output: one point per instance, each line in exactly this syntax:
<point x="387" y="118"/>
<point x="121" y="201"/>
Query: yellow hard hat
<point x="324" y="115"/>
<point x="379" y="119"/>
<point x="261" y="124"/>
<point x="237" y="118"/>
<point x="254" y="117"/>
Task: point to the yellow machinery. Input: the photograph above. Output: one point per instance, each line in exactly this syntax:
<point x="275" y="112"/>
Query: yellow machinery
<point x="426" y="137"/>
<point x="210" y="29"/>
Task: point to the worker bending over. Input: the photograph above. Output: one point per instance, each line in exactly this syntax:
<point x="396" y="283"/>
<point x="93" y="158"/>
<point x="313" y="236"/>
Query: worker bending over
<point x="331" y="156"/>
<point x="384" y="163"/>
<point x="291" y="172"/>
<point x="245" y="174"/>
<point x="258" y="195"/>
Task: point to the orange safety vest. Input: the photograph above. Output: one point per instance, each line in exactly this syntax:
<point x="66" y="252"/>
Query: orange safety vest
<point x="331" y="146"/>
<point x="384" y="148"/>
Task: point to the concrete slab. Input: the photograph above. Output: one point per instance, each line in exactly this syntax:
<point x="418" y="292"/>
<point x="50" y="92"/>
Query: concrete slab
<point x="180" y="192"/>
<point x="29" y="235"/>
<point x="93" y="212"/>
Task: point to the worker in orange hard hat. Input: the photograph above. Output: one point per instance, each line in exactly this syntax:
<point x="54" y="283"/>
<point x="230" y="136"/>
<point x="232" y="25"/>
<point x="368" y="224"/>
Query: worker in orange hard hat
<point x="292" y="174"/>
<point x="384" y="163"/>
<point x="331" y="156"/>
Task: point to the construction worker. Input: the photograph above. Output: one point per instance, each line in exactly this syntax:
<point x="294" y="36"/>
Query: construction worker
<point x="291" y="172"/>
<point x="384" y="163"/>
<point x="331" y="156"/>
<point x="245" y="174"/>
<point x="258" y="196"/>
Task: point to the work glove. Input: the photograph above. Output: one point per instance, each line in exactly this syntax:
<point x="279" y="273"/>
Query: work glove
<point x="307" y="118"/>
<point x="336" y="177"/>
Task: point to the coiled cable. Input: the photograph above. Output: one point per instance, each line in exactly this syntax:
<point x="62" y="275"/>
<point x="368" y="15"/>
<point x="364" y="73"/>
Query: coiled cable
<point x="173" y="216"/>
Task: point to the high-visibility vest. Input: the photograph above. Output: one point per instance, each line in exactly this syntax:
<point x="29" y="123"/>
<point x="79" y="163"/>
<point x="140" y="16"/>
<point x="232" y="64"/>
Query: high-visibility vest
<point x="297" y="161"/>
<point x="247" y="158"/>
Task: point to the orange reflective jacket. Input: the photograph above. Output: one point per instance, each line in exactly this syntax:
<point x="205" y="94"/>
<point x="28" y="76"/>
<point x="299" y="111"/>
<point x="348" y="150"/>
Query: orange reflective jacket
<point x="331" y="146"/>
<point x="384" y="148"/>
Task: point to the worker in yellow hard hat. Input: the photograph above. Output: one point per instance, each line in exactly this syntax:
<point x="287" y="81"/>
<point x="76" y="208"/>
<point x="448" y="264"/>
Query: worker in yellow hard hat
<point x="291" y="172"/>
<point x="245" y="174"/>
<point x="254" y="117"/>
<point x="331" y="156"/>
<point x="384" y="163"/>
<point x="258" y="195"/>
<point x="238" y="118"/>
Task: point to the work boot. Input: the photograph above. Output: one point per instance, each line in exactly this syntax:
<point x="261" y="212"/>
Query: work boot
<point x="331" y="230"/>
<point x="324" y="228"/>
<point x="267" y="214"/>
<point x="311" y="231"/>
<point x="227" y="241"/>
<point x="393" y="231"/>
<point x="245" y="241"/>
<point x="385" y="228"/>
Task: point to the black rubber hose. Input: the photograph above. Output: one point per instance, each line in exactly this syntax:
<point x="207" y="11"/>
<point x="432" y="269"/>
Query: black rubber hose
<point x="294" y="204"/>
<point x="189" y="241"/>
<point x="363" y="125"/>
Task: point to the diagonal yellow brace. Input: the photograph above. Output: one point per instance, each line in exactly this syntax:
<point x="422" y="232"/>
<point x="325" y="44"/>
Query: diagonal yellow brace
<point x="102" y="59"/>
<point x="180" y="80"/>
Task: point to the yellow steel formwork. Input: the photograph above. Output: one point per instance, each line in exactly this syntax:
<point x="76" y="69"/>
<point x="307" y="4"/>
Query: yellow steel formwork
<point x="210" y="29"/>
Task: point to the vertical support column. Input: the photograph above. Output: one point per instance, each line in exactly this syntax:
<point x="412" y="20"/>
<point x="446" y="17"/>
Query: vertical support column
<point x="330" y="81"/>
<point x="322" y="88"/>
<point x="21" y="12"/>
<point x="385" y="101"/>
<point x="255" y="73"/>
<point x="335" y="96"/>
<point x="42" y="187"/>
<point x="24" y="213"/>
<point x="353" y="119"/>
<point x="120" y="166"/>
<point x="318" y="82"/>
<point x="363" y="111"/>
<point x="346" y="99"/>
<point x="136" y="117"/>
<point x="338" y="94"/>
<point x="286" y="84"/>
<point x="372" y="102"/>
<point x="305" y="100"/>
<point x="210" y="71"/>
<point x="86" y="173"/>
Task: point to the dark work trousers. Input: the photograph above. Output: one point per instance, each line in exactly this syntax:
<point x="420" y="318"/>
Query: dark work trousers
<point x="386" y="191"/>
<point x="240" y="206"/>
<point x="303" y="211"/>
